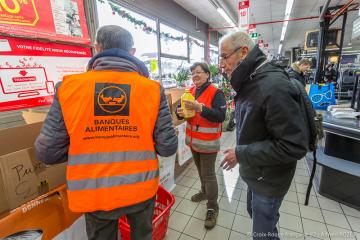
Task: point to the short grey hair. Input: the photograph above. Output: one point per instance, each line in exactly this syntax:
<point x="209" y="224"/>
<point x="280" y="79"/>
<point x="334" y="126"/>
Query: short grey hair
<point x="113" y="36"/>
<point x="238" y="39"/>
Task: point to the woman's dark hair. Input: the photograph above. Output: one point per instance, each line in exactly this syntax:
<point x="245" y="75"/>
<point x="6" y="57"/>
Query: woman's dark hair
<point x="204" y="66"/>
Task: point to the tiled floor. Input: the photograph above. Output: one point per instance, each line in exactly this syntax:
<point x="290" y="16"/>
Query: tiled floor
<point x="322" y="219"/>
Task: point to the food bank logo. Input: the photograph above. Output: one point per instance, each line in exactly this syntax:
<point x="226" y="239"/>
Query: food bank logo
<point x="18" y="12"/>
<point x="112" y="99"/>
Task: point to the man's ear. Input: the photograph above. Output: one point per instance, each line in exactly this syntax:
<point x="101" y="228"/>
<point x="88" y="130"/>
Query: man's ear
<point x="97" y="48"/>
<point x="132" y="51"/>
<point x="244" y="51"/>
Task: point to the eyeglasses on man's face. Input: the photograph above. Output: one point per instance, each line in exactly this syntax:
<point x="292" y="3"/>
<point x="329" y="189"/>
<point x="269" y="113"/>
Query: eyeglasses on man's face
<point x="226" y="56"/>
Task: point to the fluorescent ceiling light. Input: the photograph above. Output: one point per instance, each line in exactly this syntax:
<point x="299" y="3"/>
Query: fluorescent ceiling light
<point x="280" y="47"/>
<point x="225" y="16"/>
<point x="288" y="8"/>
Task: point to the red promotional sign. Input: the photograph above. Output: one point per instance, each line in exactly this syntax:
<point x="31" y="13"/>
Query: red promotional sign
<point x="244" y="14"/>
<point x="252" y="28"/>
<point x="57" y="20"/>
<point x="29" y="70"/>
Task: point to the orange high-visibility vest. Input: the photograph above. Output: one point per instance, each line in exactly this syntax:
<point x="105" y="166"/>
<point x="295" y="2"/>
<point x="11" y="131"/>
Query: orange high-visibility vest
<point x="110" y="117"/>
<point x="201" y="134"/>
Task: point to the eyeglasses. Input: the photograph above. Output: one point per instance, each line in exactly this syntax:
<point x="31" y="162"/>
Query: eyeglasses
<point x="224" y="57"/>
<point x="196" y="73"/>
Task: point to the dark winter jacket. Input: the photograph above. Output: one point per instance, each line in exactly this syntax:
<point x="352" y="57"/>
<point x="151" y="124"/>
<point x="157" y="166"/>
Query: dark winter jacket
<point x="295" y="73"/>
<point x="271" y="134"/>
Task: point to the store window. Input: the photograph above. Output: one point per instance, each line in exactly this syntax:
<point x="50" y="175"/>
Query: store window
<point x="197" y="50"/>
<point x="175" y="72"/>
<point x="214" y="55"/>
<point x="173" y="42"/>
<point x="143" y="30"/>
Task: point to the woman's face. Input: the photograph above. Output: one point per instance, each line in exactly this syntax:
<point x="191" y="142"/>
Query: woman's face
<point x="199" y="77"/>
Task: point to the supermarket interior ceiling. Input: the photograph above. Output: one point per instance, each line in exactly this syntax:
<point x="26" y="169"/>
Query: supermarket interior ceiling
<point x="268" y="11"/>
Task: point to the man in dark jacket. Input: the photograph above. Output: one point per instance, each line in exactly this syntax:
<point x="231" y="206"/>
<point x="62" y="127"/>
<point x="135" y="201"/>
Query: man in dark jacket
<point x="115" y="54"/>
<point x="299" y="69"/>
<point x="270" y="132"/>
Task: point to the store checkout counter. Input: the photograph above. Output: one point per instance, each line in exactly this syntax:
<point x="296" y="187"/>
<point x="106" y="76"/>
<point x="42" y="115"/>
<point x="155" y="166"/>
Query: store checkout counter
<point x="338" y="155"/>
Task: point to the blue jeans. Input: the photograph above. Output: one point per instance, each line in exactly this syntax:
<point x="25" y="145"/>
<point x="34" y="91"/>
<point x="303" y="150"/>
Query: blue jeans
<point x="264" y="212"/>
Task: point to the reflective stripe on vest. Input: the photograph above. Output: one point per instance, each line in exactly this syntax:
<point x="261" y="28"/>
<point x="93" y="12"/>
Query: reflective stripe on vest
<point x="203" y="129"/>
<point x="75" y="185"/>
<point x="201" y="134"/>
<point x="203" y="146"/>
<point x="110" y="157"/>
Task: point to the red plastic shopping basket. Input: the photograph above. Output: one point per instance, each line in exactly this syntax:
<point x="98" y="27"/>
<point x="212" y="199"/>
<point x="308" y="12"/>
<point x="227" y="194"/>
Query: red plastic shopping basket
<point x="164" y="201"/>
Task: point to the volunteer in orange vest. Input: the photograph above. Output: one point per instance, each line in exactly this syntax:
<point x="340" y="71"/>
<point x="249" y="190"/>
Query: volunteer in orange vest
<point x="108" y="124"/>
<point x="203" y="134"/>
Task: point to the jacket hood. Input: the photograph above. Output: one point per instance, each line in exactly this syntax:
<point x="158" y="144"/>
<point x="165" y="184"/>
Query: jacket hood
<point x="242" y="72"/>
<point x="296" y="68"/>
<point x="117" y="60"/>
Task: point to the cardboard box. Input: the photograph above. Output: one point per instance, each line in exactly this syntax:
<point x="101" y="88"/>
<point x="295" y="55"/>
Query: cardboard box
<point x="42" y="218"/>
<point x="176" y="94"/>
<point x="22" y="177"/>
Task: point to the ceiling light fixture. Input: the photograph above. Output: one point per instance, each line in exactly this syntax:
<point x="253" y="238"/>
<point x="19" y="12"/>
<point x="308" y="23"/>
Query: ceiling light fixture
<point x="225" y="16"/>
<point x="288" y="8"/>
<point x="222" y="12"/>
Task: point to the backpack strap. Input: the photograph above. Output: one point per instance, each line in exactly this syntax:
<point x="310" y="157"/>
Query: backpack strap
<point x="310" y="114"/>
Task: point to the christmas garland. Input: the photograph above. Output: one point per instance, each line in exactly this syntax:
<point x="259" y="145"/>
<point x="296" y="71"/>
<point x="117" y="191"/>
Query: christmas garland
<point x="139" y="23"/>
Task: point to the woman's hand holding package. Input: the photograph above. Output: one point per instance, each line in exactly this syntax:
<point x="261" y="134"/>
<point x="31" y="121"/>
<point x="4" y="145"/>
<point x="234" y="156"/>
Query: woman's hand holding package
<point x="194" y="105"/>
<point x="180" y="112"/>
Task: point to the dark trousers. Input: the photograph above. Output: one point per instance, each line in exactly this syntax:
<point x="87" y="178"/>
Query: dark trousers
<point x="205" y="164"/>
<point x="105" y="225"/>
<point x="264" y="212"/>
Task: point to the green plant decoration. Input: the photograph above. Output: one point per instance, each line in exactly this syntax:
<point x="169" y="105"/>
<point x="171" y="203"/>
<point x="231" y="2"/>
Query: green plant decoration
<point x="181" y="76"/>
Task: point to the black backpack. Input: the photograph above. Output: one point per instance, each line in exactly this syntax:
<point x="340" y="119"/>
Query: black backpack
<point x="314" y="125"/>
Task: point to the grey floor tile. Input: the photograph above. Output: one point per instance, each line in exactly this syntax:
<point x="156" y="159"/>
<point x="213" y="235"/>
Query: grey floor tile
<point x="290" y="235"/>
<point x="290" y="222"/>
<point x="200" y="212"/>
<point x="242" y="209"/>
<point x="229" y="205"/>
<point x="330" y="205"/>
<point x="217" y="233"/>
<point x="187" y="181"/>
<point x="315" y="229"/>
<point x="336" y="219"/>
<point x="311" y="213"/>
<point x="242" y="224"/>
<point x="195" y="228"/>
<point x="354" y="223"/>
<point x="291" y="196"/>
<point x="187" y="207"/>
<point x="350" y="211"/>
<point x="337" y="233"/>
<point x="290" y="207"/>
<point x="172" y="234"/>
<point x="313" y="202"/>
<point x="180" y="191"/>
<point x="225" y="219"/>
<point x="186" y="237"/>
<point x="178" y="221"/>
<point x="239" y="236"/>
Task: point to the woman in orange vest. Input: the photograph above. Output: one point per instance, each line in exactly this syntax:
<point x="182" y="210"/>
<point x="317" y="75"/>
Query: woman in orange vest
<point x="203" y="132"/>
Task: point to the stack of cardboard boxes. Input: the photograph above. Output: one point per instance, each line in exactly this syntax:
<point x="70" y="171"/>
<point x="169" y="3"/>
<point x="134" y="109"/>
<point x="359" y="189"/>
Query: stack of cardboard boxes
<point x="25" y="183"/>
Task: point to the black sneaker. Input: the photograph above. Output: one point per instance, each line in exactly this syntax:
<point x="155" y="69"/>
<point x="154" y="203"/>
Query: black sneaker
<point x="198" y="197"/>
<point x="211" y="216"/>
